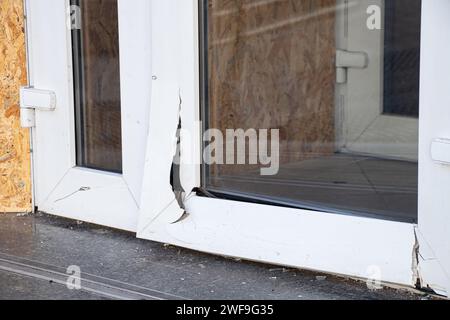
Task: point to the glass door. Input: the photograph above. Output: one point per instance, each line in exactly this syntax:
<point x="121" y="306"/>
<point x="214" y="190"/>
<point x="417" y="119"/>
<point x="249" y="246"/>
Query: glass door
<point x="90" y="151"/>
<point x="269" y="68"/>
<point x="337" y="82"/>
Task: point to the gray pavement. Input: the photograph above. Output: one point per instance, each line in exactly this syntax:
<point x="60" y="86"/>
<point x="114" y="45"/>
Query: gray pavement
<point x="36" y="250"/>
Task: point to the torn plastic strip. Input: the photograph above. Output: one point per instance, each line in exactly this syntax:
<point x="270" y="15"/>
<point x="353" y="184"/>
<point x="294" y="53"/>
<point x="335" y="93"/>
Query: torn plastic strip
<point x="175" y="174"/>
<point x="173" y="98"/>
<point x="167" y="212"/>
<point x="417" y="281"/>
<point x="176" y="171"/>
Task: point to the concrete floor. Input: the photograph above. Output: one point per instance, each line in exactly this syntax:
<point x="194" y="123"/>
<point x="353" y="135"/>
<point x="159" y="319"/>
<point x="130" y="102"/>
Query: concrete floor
<point x="35" y="252"/>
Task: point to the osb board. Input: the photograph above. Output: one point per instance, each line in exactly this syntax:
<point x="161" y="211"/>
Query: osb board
<point x="272" y="66"/>
<point x="15" y="169"/>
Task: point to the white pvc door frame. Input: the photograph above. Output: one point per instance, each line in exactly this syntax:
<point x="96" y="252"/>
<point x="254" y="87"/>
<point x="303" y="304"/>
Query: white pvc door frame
<point x="61" y="187"/>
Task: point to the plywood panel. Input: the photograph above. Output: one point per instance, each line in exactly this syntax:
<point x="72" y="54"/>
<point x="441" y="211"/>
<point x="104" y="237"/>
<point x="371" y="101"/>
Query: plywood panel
<point x="271" y="66"/>
<point x="15" y="169"/>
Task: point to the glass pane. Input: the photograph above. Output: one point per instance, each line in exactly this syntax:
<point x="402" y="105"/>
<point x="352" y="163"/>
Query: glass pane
<point x="95" y="39"/>
<point x="402" y="57"/>
<point x="336" y="84"/>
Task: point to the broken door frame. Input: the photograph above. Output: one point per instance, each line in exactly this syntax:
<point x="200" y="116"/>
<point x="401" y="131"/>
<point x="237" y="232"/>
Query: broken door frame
<point x="340" y="244"/>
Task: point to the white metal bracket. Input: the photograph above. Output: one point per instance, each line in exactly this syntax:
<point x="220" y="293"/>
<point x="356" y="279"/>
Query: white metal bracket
<point x="346" y="60"/>
<point x="32" y="99"/>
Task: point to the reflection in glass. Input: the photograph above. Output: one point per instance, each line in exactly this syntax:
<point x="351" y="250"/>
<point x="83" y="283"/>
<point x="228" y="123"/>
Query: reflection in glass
<point x="95" y="42"/>
<point x="349" y="135"/>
